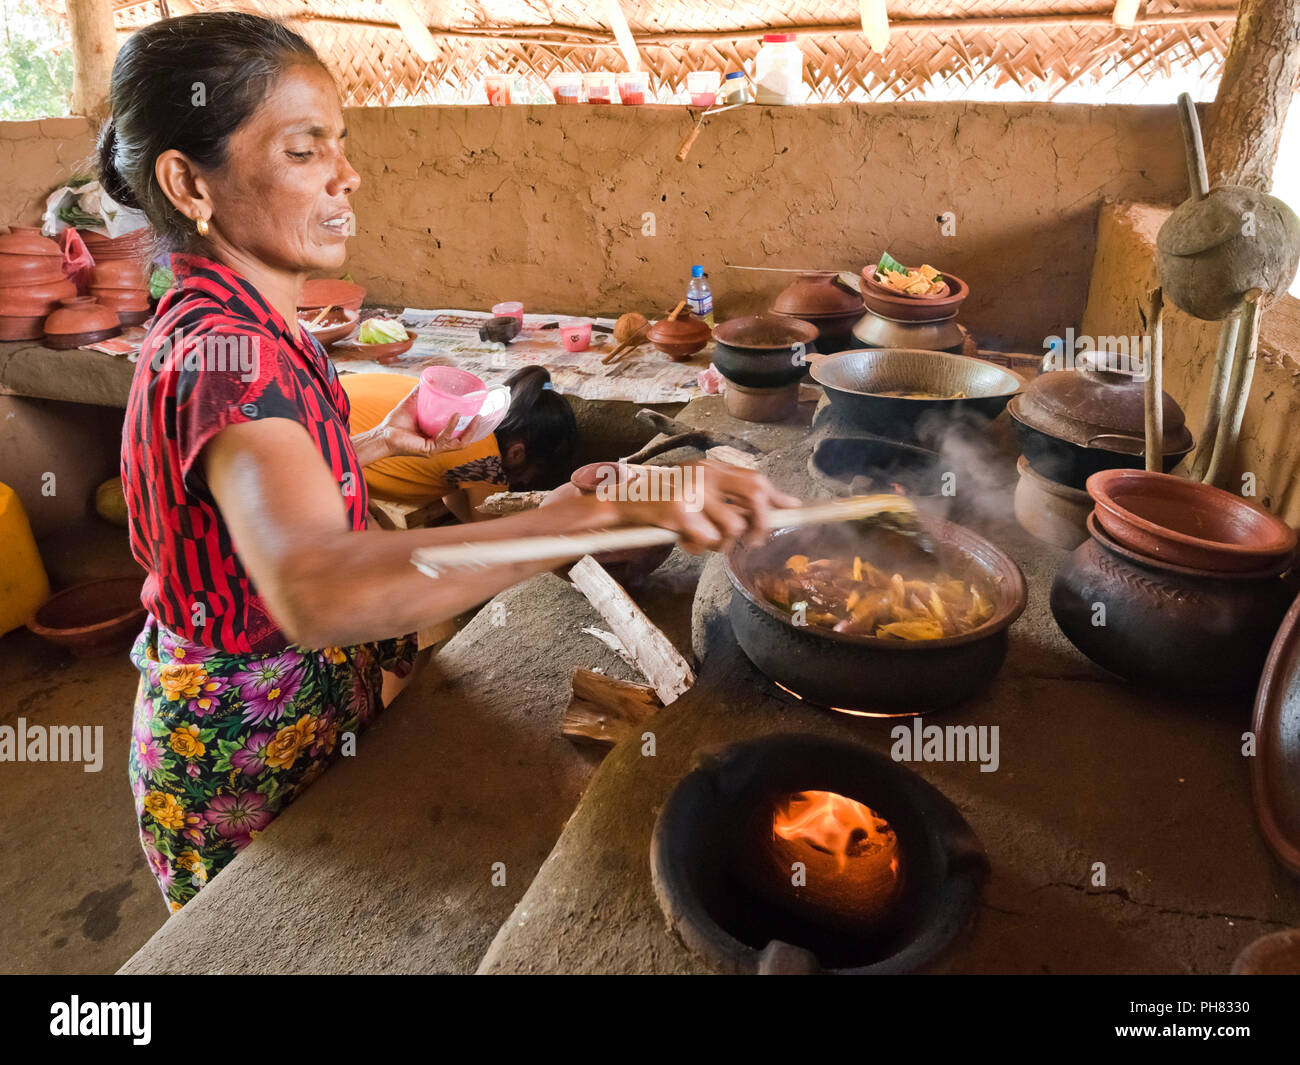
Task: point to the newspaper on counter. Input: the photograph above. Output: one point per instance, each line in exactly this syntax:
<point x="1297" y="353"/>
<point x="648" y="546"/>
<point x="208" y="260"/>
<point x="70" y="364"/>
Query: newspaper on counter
<point x="450" y="338"/>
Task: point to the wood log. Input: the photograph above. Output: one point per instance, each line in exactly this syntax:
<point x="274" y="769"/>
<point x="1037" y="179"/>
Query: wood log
<point x="605" y="710"/>
<point x="1255" y="90"/>
<point x="94" y="47"/>
<point x="661" y="423"/>
<point x="502" y="504"/>
<point x="666" y="670"/>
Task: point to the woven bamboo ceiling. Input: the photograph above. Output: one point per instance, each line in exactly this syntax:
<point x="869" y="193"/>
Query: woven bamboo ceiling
<point x="1041" y="46"/>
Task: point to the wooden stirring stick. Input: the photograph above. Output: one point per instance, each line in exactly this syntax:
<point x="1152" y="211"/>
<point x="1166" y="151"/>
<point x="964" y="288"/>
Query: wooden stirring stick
<point x="435" y="561"/>
<point x="320" y="314"/>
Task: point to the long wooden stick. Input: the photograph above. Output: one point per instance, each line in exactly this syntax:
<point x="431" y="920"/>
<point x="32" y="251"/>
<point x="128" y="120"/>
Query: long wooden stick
<point x="1223" y="357"/>
<point x="1243" y="371"/>
<point x="1154" y="393"/>
<point x="435" y="561"/>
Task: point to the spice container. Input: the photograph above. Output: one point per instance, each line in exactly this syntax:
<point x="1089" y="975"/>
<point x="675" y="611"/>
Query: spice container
<point x="778" y="70"/>
<point x="735" y="90"/>
<point x="498" y="89"/>
<point x="600" y="87"/>
<point x="634" y="88"/>
<point x="566" y="86"/>
<point x="575" y="334"/>
<point x="703" y="87"/>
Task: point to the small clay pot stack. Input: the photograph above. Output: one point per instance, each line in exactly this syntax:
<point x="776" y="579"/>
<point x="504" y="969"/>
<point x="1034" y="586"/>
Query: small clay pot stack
<point x="32" y="282"/>
<point x="120" y="278"/>
<point x="80" y="320"/>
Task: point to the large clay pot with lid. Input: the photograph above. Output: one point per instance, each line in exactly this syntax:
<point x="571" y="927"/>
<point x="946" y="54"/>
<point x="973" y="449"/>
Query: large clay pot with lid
<point x="32" y="282"/>
<point x="824" y="303"/>
<point x="1074" y="423"/>
<point x="1167" y="626"/>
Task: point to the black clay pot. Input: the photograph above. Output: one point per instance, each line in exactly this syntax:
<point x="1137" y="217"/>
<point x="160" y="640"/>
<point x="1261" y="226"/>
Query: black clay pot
<point x="763" y="351"/>
<point x="1166" y="626"/>
<point x="868" y="674"/>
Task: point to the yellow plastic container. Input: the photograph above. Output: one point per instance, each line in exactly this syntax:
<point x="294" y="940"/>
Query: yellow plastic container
<point x="23" y="583"/>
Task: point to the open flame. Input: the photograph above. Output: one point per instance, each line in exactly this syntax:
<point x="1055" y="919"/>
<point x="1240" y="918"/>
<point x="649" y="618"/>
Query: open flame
<point x="836" y="825"/>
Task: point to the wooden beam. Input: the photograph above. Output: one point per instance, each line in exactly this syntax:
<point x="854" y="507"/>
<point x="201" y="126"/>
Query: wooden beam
<point x="94" y="47"/>
<point x="1255" y="90"/>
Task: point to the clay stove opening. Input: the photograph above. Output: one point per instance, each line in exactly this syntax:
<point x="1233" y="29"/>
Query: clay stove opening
<point x="793" y="853"/>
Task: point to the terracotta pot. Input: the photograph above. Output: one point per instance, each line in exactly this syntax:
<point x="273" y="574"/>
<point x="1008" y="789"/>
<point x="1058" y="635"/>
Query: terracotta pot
<point x="120" y="274"/>
<point x="679" y="338"/>
<point x="15" y="328"/>
<point x="130" y="300"/>
<point x="78" y="321"/>
<point x="817" y="295"/>
<point x="626" y="567"/>
<point x="763" y="350"/>
<point x="1054" y="513"/>
<point x="27" y="258"/>
<point x="336" y="325"/>
<point x="328" y="291"/>
<point x="93" y="618"/>
<point x="1168" y="626"/>
<point x="884" y="300"/>
<point x="834" y="331"/>
<point x="26" y="301"/>
<point x="136" y="246"/>
<point x="1187" y="523"/>
<point x="761" y="404"/>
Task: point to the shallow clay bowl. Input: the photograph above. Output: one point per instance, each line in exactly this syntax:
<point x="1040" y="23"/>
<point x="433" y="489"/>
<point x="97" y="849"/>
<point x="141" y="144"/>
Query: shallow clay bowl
<point x="358" y="350"/>
<point x="328" y="291"/>
<point x="885" y="301"/>
<point x="93" y="618"/>
<point x="679" y="338"/>
<point x="1186" y="523"/>
<point x="80" y="320"/>
<point x="334" y="326"/>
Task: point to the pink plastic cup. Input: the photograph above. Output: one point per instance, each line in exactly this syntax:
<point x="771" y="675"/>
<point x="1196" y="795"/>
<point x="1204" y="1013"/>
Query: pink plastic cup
<point x="575" y="334"/>
<point x="446" y="393"/>
<point x="512" y="309"/>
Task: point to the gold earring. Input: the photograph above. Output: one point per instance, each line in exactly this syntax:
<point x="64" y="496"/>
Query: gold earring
<point x="202" y="226"/>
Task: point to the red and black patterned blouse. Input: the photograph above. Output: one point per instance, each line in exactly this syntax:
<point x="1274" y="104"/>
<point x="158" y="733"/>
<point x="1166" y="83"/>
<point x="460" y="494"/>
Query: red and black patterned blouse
<point x="216" y="355"/>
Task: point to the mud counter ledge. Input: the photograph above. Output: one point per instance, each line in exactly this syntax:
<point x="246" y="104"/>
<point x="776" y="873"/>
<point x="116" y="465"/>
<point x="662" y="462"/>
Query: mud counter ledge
<point x="74" y="376"/>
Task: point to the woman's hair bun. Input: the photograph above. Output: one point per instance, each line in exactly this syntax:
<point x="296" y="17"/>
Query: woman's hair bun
<point x="110" y="178"/>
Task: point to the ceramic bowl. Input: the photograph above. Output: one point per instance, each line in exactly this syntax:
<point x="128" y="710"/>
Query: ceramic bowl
<point x="679" y="338"/>
<point x="355" y="349"/>
<point x="136" y="246"/>
<point x="337" y="324"/>
<point x="78" y="321"/>
<point x="1186" y="523"/>
<point x="94" y="618"/>
<point x="328" y="291"/>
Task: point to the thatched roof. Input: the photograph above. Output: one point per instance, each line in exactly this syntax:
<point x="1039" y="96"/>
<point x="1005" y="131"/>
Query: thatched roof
<point x="1039" y="45"/>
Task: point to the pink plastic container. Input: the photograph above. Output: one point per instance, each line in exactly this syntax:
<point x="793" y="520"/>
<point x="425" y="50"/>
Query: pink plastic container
<point x="511" y="309"/>
<point x="575" y="334"/>
<point x="634" y="88"/>
<point x="703" y="87"/>
<point x="446" y="393"/>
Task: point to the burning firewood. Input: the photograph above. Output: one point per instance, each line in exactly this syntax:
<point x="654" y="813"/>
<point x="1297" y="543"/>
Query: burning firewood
<point x="605" y="710"/>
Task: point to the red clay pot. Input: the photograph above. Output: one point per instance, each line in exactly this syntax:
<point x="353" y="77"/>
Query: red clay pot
<point x="29" y="328"/>
<point x="93" y="618"/>
<point x="1186" y="523"/>
<point x="679" y="338"/>
<point x="78" y="321"/>
<point x="41" y="298"/>
<point x="136" y="246"/>
<point x="884" y="300"/>
<point x="327" y="291"/>
<point x="27" y="258"/>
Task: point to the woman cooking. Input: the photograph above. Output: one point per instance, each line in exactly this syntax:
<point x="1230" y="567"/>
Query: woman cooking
<point x="278" y="623"/>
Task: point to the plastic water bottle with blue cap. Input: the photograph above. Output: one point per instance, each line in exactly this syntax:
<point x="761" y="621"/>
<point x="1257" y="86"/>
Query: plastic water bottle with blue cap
<point x="699" y="296"/>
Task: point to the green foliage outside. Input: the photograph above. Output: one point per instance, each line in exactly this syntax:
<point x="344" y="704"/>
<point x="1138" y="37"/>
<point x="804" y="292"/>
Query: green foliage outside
<point x="35" y="63"/>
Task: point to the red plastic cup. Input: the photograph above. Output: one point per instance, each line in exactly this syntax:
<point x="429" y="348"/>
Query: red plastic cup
<point x="575" y="334"/>
<point x="446" y="393"/>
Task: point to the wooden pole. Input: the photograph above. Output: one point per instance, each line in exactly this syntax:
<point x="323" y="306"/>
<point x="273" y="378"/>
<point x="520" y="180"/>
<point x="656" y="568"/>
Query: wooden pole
<point x="94" y="47"/>
<point x="1155" y="394"/>
<point x="1259" y="78"/>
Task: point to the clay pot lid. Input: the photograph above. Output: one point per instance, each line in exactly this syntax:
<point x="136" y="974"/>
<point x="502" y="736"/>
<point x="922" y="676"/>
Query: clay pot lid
<point x="323" y="291"/>
<point x="765" y="332"/>
<point x="80" y="314"/>
<point x="1275" y="769"/>
<point x="1188" y="523"/>
<point x="817" y="294"/>
<point x="27" y="241"/>
<point x="1086" y="405"/>
<point x="684" y="329"/>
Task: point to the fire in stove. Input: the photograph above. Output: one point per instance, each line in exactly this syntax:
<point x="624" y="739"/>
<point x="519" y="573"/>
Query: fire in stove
<point x="838" y="826"/>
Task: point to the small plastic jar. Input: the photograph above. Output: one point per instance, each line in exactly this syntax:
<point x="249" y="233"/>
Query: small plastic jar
<point x="575" y="334"/>
<point x="735" y="90"/>
<point x="703" y="87"/>
<point x="634" y="88"/>
<point x="566" y="86"/>
<point x="600" y="87"/>
<point x="511" y="309"/>
<point x="498" y="89"/>
<point x="778" y="70"/>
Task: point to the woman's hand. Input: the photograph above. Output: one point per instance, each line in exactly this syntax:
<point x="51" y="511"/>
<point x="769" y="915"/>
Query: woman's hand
<point x="399" y="434"/>
<point x="711" y="505"/>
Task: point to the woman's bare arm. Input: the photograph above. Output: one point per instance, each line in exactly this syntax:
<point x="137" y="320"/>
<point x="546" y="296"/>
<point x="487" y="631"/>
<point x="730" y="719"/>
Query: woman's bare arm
<point x="327" y="585"/>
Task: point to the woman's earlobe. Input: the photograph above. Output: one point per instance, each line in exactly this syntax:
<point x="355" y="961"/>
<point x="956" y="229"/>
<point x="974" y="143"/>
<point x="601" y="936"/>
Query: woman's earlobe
<point x="181" y="185"/>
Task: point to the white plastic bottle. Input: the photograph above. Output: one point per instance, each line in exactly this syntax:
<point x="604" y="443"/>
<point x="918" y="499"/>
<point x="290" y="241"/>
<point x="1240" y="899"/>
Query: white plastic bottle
<point x="778" y="70"/>
<point x="699" y="296"/>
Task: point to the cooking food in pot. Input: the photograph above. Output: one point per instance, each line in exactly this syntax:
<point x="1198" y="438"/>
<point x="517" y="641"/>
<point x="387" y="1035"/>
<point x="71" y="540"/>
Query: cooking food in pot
<point x="916" y="393"/>
<point x="911" y="281"/>
<point x="853" y="596"/>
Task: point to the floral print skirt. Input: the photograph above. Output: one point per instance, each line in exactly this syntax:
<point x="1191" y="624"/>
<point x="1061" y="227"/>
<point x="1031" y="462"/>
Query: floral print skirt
<point x="221" y="743"/>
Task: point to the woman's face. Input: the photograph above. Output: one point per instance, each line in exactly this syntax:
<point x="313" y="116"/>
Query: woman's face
<point x="282" y="196"/>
